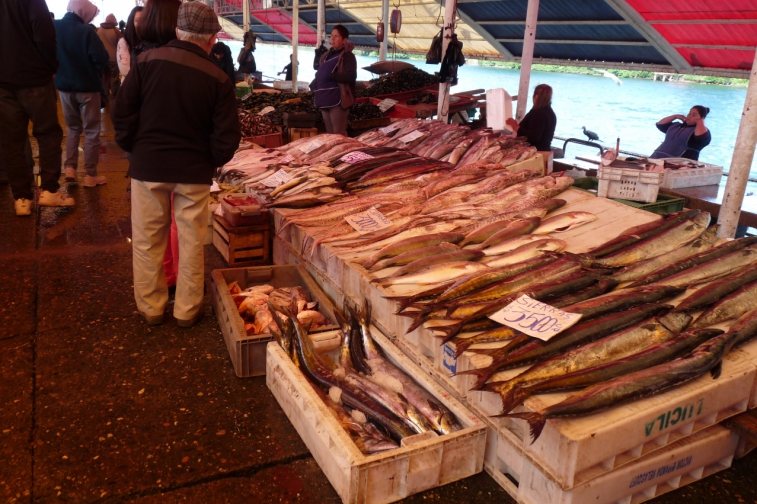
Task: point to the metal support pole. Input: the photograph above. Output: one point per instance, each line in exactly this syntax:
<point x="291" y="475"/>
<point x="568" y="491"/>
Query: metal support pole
<point x="385" y="20"/>
<point x="295" y="40"/>
<point x="321" y="28"/>
<point x="532" y="14"/>
<point x="741" y="162"/>
<point x="246" y="15"/>
<point x="450" y="10"/>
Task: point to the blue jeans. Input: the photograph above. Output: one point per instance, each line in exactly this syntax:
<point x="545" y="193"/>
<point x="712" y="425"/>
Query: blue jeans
<point x="82" y="113"/>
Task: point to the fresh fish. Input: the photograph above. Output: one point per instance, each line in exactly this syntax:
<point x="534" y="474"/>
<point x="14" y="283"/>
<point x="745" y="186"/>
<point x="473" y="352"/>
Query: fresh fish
<point x="745" y="327"/>
<point x="284" y="332"/>
<point x="564" y="222"/>
<point x="525" y="252"/>
<point x="436" y="273"/>
<point x="715" y="291"/>
<point x="636" y="271"/>
<point x="732" y="306"/>
<point x="420" y="264"/>
<point x="411" y="244"/>
<point x="414" y="255"/>
<point x="442" y="185"/>
<point x="623" y="300"/>
<point x="651" y="356"/>
<point x="705" y="358"/>
<point x="288" y="185"/>
<point x="605" y="285"/>
<point x="516" y="227"/>
<point x="608" y="349"/>
<point x="668" y="240"/>
<point x="513" y="243"/>
<point x="642" y="232"/>
<point x="580" y="334"/>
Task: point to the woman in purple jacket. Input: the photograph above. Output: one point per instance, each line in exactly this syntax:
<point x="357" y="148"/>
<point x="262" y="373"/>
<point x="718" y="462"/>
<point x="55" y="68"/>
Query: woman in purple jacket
<point x="334" y="84"/>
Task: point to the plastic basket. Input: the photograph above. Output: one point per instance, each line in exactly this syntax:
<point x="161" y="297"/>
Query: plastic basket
<point x="703" y="174"/>
<point x="629" y="184"/>
<point x="664" y="205"/>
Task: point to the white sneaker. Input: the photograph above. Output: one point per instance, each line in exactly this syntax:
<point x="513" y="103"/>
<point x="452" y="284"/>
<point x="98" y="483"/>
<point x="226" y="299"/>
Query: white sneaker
<point x="55" y="199"/>
<point x="23" y="207"/>
<point x="70" y="174"/>
<point x="94" y="180"/>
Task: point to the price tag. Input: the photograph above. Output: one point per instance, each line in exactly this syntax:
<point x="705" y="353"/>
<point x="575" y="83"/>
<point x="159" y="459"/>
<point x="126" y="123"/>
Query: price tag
<point x="214" y="187"/>
<point x="246" y="96"/>
<point x="388" y="129"/>
<point x="311" y="146"/>
<point x="368" y="221"/>
<point x="411" y="136"/>
<point x="386" y="104"/>
<point x="266" y="110"/>
<point x="535" y="318"/>
<point x="275" y="180"/>
<point x="286" y="159"/>
<point x="354" y="157"/>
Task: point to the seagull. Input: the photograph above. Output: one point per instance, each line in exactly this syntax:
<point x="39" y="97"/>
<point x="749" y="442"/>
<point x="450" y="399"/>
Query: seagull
<point x="590" y="134"/>
<point x="607" y="74"/>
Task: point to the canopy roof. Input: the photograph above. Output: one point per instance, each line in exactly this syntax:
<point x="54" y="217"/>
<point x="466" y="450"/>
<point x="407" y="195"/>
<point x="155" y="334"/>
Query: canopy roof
<point x="710" y="37"/>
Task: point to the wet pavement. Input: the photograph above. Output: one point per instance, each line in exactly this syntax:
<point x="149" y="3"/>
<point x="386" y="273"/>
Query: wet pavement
<point x="97" y="407"/>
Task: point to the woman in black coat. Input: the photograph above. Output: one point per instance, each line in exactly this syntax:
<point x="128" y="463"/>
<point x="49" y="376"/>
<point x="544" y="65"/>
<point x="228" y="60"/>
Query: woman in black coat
<point x="539" y="124"/>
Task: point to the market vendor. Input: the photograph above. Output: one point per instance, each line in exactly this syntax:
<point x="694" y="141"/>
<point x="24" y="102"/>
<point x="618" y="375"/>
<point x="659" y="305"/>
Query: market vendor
<point x="684" y="139"/>
<point x="334" y="84"/>
<point x="539" y="124"/>
<point x="246" y="59"/>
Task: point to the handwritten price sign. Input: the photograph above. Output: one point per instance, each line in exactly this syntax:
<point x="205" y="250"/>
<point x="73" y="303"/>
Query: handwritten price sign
<point x="386" y="104"/>
<point x="368" y="222"/>
<point x="311" y="146"/>
<point x="411" y="136"/>
<point x="388" y="129"/>
<point x="278" y="178"/>
<point x="535" y="318"/>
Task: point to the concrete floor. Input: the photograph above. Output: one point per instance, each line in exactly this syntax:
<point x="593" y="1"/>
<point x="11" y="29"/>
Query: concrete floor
<point x="97" y="407"/>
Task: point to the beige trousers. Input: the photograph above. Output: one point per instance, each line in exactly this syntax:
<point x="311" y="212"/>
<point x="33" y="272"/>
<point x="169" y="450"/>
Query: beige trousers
<point x="150" y="221"/>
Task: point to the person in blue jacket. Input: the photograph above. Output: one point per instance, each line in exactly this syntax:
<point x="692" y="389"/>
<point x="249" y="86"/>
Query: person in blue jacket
<point x="82" y="56"/>
<point x="684" y="139"/>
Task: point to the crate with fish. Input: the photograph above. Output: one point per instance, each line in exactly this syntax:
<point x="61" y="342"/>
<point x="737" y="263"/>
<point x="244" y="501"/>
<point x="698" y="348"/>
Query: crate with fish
<point x="679" y="464"/>
<point x="379" y="435"/>
<point x="298" y="133"/>
<point x="682" y="172"/>
<point x="629" y="183"/>
<point x="243" y="210"/>
<point x="243" y="245"/>
<point x="240" y="299"/>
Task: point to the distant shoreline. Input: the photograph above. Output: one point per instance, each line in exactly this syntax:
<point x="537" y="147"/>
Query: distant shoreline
<point x="622" y="74"/>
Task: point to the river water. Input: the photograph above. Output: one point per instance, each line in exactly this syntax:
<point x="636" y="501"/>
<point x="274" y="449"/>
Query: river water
<point x="628" y="111"/>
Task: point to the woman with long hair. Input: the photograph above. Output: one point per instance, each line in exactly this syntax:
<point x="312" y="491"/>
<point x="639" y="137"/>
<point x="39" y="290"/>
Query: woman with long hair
<point x="334" y="84"/>
<point x="539" y="124"/>
<point x="129" y="41"/>
<point x="158" y="24"/>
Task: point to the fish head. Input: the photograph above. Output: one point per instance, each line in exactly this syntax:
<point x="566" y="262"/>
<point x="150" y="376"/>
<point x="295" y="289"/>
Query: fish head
<point x="448" y="423"/>
<point x="675" y="322"/>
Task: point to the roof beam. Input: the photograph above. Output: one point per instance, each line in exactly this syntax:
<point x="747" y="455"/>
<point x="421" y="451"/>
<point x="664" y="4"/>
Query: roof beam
<point x="702" y="21"/>
<point x="583" y="42"/>
<point x="564" y="23"/>
<point x="652" y="35"/>
<point x="716" y="46"/>
<point x="476" y="27"/>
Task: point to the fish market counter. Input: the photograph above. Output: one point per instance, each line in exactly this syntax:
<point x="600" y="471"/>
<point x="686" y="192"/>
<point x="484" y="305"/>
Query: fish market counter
<point x="633" y="452"/>
<point x="709" y="198"/>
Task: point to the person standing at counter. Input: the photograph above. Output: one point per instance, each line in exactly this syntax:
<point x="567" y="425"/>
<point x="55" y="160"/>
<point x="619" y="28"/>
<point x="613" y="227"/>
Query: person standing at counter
<point x="334" y="84"/>
<point x="540" y="122"/>
<point x="686" y="138"/>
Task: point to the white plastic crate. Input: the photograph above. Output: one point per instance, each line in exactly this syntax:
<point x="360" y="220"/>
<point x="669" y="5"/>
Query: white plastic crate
<point x="704" y="174"/>
<point x="629" y="184"/>
<point x="499" y="108"/>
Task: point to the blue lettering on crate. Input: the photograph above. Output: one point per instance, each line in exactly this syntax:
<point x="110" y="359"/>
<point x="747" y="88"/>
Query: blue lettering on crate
<point x="661" y="471"/>
<point x="449" y="360"/>
<point x="674" y="416"/>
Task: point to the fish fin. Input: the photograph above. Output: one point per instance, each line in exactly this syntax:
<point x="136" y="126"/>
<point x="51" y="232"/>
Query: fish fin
<point x="535" y="421"/>
<point x="417" y="322"/>
<point x="491" y="386"/>
<point x="715" y="371"/>
<point x="516" y="399"/>
<point x="450" y="331"/>
<point x="507" y="393"/>
<point x="451" y="309"/>
<point x="482" y="376"/>
<point x="460" y="347"/>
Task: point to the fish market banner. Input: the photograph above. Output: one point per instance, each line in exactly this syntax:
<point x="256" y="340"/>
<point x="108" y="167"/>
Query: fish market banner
<point x="535" y="318"/>
<point x="368" y="221"/>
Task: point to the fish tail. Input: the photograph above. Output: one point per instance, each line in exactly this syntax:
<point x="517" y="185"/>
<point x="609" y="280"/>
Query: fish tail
<point x="450" y="331"/>
<point x="491" y="387"/>
<point x="417" y="321"/>
<point x="482" y="376"/>
<point x="461" y="346"/>
<point x="451" y="309"/>
<point x="535" y="421"/>
<point x="507" y="394"/>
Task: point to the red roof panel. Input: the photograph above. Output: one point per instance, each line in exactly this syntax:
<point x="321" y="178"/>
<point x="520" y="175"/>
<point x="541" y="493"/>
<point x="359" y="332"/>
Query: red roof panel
<point x="695" y="9"/>
<point x="718" y="58"/>
<point x="709" y="34"/>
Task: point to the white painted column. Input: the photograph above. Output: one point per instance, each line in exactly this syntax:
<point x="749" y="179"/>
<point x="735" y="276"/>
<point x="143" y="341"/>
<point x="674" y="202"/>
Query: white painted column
<point x="450" y="10"/>
<point x="532" y="14"/>
<point x="321" y="27"/>
<point x="385" y="19"/>
<point x="246" y="15"/>
<point x="295" y="40"/>
<point x="741" y="162"/>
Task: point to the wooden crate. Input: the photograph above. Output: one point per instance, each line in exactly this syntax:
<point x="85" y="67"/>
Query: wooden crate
<point x="269" y="141"/>
<point x="242" y="246"/>
<point x="297" y="133"/>
<point x="247" y="353"/>
<point x="422" y="462"/>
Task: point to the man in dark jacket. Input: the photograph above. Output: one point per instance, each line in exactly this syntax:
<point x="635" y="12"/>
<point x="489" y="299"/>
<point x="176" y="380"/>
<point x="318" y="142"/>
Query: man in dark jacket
<point x="27" y="64"/>
<point x="82" y="57"/>
<point x="176" y="114"/>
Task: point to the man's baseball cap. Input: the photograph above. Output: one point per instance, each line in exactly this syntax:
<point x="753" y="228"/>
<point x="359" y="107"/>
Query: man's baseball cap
<point x="196" y="17"/>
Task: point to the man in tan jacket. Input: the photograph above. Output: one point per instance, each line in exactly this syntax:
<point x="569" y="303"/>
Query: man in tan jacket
<point x="110" y="35"/>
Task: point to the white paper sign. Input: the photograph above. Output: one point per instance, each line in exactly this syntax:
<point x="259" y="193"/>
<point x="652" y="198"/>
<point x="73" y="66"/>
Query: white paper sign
<point x="246" y="96"/>
<point x="386" y="104"/>
<point x="311" y="146"/>
<point x="535" y="318"/>
<point x="266" y="110"/>
<point x="368" y="221"/>
<point x="275" y="180"/>
<point x="388" y="129"/>
<point x="354" y="157"/>
<point x="411" y="136"/>
<point x="286" y="159"/>
<point x="214" y="187"/>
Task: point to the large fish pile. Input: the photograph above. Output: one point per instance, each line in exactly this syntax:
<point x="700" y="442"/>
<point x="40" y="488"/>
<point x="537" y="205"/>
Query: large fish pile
<point x="408" y="79"/>
<point x="630" y="342"/>
<point x="374" y="401"/>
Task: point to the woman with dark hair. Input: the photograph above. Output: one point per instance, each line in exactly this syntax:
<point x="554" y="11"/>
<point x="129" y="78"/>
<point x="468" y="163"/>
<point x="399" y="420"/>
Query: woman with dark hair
<point x="245" y="59"/>
<point x="334" y="84"/>
<point x="158" y="24"/>
<point x="539" y="124"/>
<point x="129" y="41"/>
<point x="686" y="138"/>
<point x="221" y="56"/>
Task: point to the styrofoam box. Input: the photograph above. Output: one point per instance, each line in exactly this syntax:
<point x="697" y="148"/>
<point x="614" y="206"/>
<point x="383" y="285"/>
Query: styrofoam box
<point x="681" y="463"/>
<point x="629" y="184"/>
<point x="576" y="450"/>
<point x="704" y="174"/>
<point x="422" y="462"/>
<point x="499" y="108"/>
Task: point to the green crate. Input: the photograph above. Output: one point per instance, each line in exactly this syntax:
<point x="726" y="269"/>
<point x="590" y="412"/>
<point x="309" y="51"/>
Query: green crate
<point x="241" y="91"/>
<point x="664" y="205"/>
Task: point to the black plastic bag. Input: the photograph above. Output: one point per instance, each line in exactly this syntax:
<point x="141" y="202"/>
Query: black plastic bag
<point x="434" y="54"/>
<point x="452" y="59"/>
<point x="319" y="51"/>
